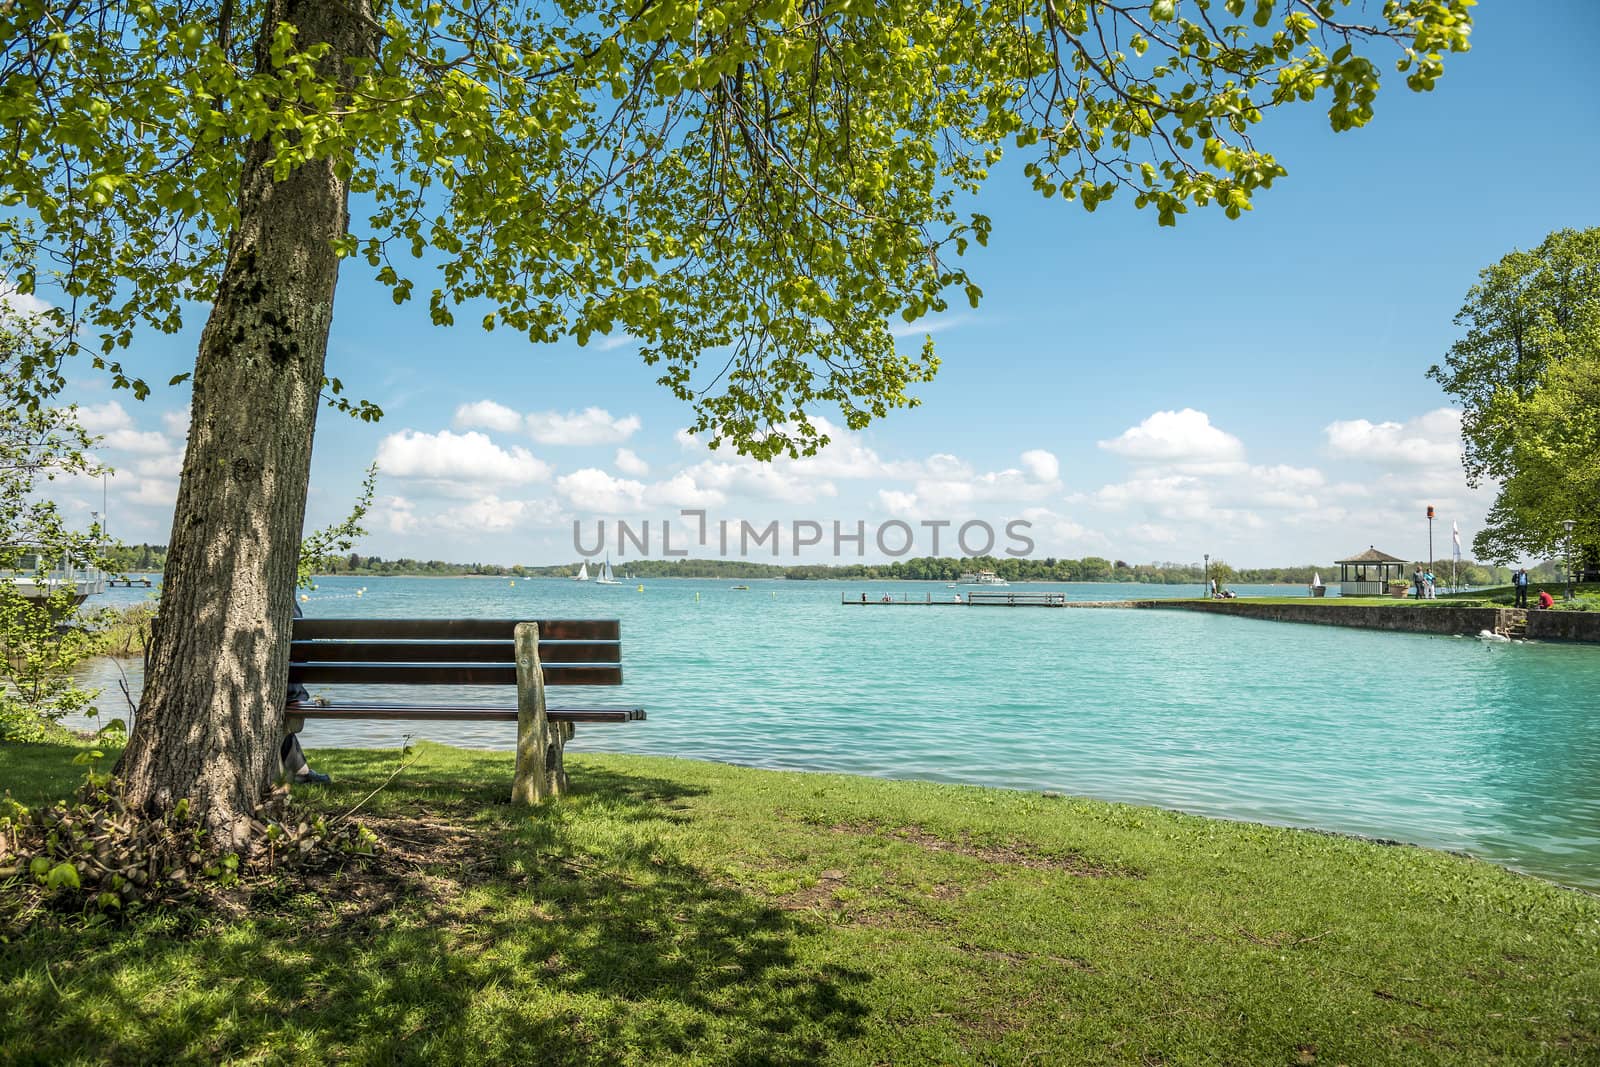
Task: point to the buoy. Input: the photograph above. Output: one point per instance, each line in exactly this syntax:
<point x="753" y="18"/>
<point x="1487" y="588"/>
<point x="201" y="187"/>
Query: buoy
<point x="304" y="597"/>
<point x="697" y="598"/>
<point x="641" y="589"/>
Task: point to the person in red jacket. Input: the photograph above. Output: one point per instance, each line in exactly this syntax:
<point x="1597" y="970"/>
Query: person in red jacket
<point x="1545" y="599"/>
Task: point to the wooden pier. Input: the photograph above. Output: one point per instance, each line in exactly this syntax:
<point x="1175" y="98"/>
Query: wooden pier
<point x="128" y="583"/>
<point x="978" y="598"/>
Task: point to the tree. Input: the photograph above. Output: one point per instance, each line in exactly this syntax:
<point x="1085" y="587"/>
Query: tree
<point x="37" y="445"/>
<point x="1527" y="374"/>
<point x="750" y="189"/>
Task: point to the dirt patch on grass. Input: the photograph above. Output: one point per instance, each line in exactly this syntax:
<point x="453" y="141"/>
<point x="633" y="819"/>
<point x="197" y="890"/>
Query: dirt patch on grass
<point x="1012" y="853"/>
<point x="425" y="858"/>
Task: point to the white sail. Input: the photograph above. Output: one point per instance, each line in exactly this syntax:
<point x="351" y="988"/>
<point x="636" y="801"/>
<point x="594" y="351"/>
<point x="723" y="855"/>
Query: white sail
<point x="583" y="572"/>
<point x="606" y="577"/>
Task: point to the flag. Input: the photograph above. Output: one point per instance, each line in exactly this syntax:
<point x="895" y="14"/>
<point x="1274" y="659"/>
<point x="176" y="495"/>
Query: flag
<point x="1455" y="535"/>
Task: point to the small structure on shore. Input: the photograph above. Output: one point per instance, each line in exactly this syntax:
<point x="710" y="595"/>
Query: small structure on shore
<point x="1370" y="573"/>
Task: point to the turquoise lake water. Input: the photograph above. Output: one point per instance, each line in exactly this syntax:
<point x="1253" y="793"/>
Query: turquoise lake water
<point x="1488" y="748"/>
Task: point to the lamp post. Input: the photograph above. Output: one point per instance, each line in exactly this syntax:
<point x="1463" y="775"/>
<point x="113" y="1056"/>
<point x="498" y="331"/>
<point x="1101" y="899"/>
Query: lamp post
<point x="1430" y="538"/>
<point x="1205" y="588"/>
<point x="1568" y="524"/>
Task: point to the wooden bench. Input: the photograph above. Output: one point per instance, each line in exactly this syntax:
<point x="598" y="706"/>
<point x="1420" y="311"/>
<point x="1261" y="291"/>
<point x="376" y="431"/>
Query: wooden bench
<point x="528" y="655"/>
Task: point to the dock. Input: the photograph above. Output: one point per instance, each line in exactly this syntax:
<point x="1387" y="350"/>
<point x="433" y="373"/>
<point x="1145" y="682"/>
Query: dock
<point x="984" y="598"/>
<point x="127" y="583"/>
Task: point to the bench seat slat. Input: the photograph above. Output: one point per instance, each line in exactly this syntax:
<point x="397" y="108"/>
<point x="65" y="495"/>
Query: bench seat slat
<point x="443" y="674"/>
<point x="456" y="629"/>
<point x="504" y="652"/>
<point x="456" y="712"/>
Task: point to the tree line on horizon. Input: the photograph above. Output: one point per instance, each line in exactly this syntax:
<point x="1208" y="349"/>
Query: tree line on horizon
<point x="133" y="558"/>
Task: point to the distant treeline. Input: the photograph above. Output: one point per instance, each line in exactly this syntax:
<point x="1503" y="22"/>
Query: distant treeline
<point x="130" y="558"/>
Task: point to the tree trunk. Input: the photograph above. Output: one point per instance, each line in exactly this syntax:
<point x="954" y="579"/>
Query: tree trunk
<point x="211" y="716"/>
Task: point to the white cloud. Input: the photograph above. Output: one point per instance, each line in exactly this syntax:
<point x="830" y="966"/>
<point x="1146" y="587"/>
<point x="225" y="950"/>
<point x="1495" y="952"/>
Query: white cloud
<point x="449" y="457"/>
<point x="1041" y="466"/>
<point x="154" y="492"/>
<point x="177" y="422"/>
<point x="594" y="490"/>
<point x="628" y="462"/>
<point x="766" y="480"/>
<point x="686" y="440"/>
<point x="1151" y="533"/>
<point x="591" y="426"/>
<point x="1057" y="535"/>
<point x="103" y="418"/>
<point x="935" y="324"/>
<point x="1182" y="493"/>
<point x="488" y="415"/>
<point x="21" y="303"/>
<point x="1176" y="436"/>
<point x="487" y="514"/>
<point x="142" y="442"/>
<point x="898" y="503"/>
<point x="167" y="466"/>
<point x="395" y="513"/>
<point x="681" y="491"/>
<point x="1430" y="440"/>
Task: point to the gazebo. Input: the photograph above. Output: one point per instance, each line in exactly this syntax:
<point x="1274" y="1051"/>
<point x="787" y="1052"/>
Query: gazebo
<point x="1370" y="573"/>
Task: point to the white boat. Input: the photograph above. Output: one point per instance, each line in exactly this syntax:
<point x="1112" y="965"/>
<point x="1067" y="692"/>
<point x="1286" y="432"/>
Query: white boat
<point x="76" y="582"/>
<point x="606" y="577"/>
<point x="983" y="578"/>
<point x="583" y="572"/>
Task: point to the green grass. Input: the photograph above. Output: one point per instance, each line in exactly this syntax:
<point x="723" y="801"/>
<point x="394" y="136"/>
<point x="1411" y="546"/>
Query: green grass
<point x="1588" y="595"/>
<point x="1463" y="600"/>
<point x="672" y="911"/>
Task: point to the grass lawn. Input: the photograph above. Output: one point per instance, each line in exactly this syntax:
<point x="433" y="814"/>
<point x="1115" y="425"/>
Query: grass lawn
<point x="1505" y="595"/>
<point x="672" y="911"/>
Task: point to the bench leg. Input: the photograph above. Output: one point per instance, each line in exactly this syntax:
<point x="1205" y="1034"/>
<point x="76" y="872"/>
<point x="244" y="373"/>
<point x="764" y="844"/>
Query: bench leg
<point x="540" y="742"/>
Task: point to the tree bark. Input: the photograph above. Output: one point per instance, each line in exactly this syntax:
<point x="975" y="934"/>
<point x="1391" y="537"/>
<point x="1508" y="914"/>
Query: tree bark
<point x="211" y="715"/>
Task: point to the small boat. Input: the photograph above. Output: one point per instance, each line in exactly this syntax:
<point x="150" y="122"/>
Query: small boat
<point x="606" y="577"/>
<point x="746" y="588"/>
<point x="984" y="578"/>
<point x="71" y="581"/>
<point x="583" y="572"/>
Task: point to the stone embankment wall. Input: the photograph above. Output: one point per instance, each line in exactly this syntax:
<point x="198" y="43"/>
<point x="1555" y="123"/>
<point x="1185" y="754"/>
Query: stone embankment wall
<point x="1416" y="619"/>
<point x="1564" y="626"/>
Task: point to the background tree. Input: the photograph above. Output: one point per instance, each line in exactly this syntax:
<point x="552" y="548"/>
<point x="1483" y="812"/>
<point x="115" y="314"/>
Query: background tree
<point x="38" y="444"/>
<point x="751" y="189"/>
<point x="1527" y="374"/>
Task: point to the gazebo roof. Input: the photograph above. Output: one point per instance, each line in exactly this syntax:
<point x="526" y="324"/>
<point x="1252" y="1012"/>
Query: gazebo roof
<point x="1372" y="555"/>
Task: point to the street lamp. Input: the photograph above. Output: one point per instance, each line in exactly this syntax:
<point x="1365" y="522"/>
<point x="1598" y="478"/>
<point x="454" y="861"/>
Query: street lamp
<point x="1568" y="524"/>
<point x="1430" y="538"/>
<point x="1205" y="588"/>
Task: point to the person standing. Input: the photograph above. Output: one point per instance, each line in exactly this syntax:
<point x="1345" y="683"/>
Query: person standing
<point x="1519" y="582"/>
<point x="1427" y="585"/>
<point x="1416" y="582"/>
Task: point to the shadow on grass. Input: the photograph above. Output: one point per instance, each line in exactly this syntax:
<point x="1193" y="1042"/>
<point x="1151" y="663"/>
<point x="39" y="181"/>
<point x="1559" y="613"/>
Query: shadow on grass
<point x="579" y="932"/>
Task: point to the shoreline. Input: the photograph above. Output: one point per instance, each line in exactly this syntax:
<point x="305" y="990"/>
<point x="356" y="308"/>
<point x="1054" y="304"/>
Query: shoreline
<point x="1437" y="618"/>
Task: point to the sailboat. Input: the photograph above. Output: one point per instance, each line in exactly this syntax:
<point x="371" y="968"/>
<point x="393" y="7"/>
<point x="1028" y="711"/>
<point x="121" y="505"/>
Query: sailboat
<point x="606" y="577"/>
<point x="583" y="572"/>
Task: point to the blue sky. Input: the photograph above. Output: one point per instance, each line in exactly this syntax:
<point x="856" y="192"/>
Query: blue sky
<point x="1252" y="389"/>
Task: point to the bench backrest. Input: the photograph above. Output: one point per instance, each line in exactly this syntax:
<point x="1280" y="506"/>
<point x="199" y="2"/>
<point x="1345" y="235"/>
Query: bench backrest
<point x="451" y="651"/>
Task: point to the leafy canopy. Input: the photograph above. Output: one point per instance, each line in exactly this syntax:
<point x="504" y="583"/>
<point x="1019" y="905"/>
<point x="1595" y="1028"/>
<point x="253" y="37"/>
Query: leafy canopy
<point x="752" y="188"/>
<point x="1527" y="374"/>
